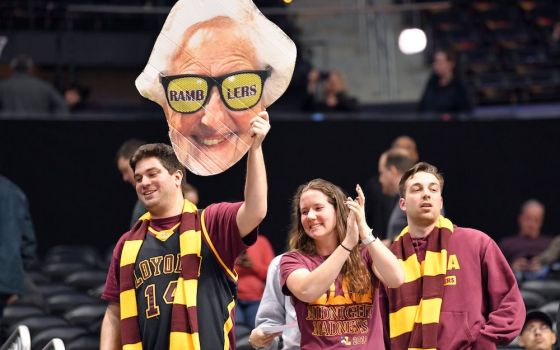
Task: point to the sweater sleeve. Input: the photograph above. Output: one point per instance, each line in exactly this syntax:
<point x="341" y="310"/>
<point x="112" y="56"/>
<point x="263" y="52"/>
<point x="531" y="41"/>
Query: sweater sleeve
<point x="271" y="310"/>
<point x="506" y="310"/>
<point x="552" y="253"/>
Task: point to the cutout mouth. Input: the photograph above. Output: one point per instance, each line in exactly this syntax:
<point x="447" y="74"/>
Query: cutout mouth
<point x="201" y="154"/>
<point x="213" y="140"/>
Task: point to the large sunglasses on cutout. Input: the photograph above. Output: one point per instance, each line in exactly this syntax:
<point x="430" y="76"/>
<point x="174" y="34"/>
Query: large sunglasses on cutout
<point x="188" y="93"/>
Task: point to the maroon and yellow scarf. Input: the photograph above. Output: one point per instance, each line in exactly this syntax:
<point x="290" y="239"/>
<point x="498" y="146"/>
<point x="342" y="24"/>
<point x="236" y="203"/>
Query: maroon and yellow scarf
<point x="184" y="321"/>
<point x="414" y="307"/>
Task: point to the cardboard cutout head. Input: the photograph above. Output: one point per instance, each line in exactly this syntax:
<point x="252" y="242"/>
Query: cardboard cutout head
<point x="215" y="65"/>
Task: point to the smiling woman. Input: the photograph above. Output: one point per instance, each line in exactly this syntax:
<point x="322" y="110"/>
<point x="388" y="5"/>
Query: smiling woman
<point x="333" y="281"/>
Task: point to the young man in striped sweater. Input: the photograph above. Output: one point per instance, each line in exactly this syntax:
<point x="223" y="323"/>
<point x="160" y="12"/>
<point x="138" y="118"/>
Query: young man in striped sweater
<point x="459" y="291"/>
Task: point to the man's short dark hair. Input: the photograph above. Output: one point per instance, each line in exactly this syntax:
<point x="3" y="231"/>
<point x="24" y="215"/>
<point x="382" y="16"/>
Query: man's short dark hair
<point x="164" y="153"/>
<point x="128" y="148"/>
<point x="421" y="167"/>
<point x="21" y="64"/>
<point x="399" y="159"/>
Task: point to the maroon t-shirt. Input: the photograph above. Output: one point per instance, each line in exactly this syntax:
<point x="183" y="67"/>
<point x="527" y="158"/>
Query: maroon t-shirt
<point x="221" y="222"/>
<point x="335" y="320"/>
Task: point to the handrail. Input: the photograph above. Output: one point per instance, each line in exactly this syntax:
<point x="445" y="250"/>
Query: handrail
<point x="55" y="344"/>
<point x="20" y="339"/>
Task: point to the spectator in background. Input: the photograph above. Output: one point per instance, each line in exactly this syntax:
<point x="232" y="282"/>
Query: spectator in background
<point x="251" y="266"/>
<point x="18" y="241"/>
<point x="408" y="144"/>
<point x="537" y="332"/>
<point x="190" y="192"/>
<point x="550" y="255"/>
<point x="276" y="309"/>
<point x="445" y="94"/>
<point x="521" y="250"/>
<point x="23" y="95"/>
<point x="326" y="92"/>
<point x="380" y="205"/>
<point x="392" y="165"/>
<point x="122" y="158"/>
<point x="76" y="98"/>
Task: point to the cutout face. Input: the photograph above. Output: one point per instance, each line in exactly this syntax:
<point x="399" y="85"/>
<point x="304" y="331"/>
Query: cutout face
<point x="214" y="67"/>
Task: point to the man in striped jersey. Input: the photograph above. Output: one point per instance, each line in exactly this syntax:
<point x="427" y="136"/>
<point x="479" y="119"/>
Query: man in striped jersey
<point x="171" y="283"/>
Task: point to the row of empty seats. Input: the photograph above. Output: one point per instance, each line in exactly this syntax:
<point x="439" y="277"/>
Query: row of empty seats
<point x="62" y="299"/>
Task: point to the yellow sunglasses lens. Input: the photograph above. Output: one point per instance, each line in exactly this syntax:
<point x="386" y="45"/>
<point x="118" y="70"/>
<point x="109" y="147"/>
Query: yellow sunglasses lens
<point x="242" y="91"/>
<point x="187" y="94"/>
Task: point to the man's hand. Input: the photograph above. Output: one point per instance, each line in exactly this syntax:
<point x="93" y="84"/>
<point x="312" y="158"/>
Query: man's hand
<point x="12" y="299"/>
<point x="259" y="128"/>
<point x="535" y="264"/>
<point x="520" y="264"/>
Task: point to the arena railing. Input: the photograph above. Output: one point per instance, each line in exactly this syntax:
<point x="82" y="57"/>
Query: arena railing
<point x="55" y="344"/>
<point x="20" y="339"/>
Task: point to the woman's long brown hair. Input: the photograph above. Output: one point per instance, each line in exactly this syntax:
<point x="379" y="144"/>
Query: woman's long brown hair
<point x="354" y="269"/>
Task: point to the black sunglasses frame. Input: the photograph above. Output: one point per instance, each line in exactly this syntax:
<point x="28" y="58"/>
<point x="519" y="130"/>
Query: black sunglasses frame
<point x="211" y="82"/>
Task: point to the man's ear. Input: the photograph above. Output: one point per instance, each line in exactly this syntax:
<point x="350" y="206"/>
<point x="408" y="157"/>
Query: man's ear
<point x="179" y="176"/>
<point x="402" y="204"/>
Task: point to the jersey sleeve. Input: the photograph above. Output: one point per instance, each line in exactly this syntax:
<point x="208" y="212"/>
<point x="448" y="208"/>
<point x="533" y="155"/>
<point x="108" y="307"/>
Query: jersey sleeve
<point x="111" y="291"/>
<point x="220" y="221"/>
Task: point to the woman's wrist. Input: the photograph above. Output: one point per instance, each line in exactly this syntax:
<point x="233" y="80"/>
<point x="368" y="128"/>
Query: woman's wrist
<point x="369" y="237"/>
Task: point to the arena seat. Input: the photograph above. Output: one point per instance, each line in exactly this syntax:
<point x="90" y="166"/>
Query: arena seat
<point x="65" y="333"/>
<point x="97" y="291"/>
<point x="14" y="313"/>
<point x="70" y="253"/>
<point x="85" y="315"/>
<point x="38" y="323"/>
<point x="86" y="280"/>
<point x="532" y="299"/>
<point x="58" y="304"/>
<point x="95" y="327"/>
<point x="551" y="308"/>
<point x="38" y="277"/>
<point x="86" y="342"/>
<point x="59" y="270"/>
<point x="549" y="289"/>
<point x="55" y="288"/>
